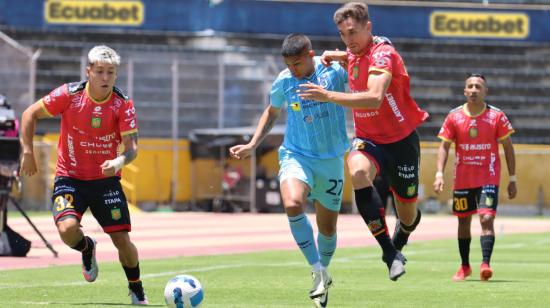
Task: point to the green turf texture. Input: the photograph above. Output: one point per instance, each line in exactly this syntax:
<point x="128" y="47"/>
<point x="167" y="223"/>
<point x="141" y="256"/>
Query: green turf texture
<point x="281" y="279"/>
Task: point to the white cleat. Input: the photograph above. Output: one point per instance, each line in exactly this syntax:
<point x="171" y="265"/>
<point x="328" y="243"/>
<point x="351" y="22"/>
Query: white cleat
<point x="319" y="291"/>
<point x="90" y="274"/>
<point x="138" y="300"/>
<point x="321" y="301"/>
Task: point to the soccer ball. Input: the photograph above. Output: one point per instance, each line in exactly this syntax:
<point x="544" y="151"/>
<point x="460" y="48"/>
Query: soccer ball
<point x="183" y="291"/>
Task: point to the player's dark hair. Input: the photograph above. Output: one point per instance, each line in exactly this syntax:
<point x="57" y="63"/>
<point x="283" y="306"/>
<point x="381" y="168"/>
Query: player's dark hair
<point x="479" y="75"/>
<point x="295" y="44"/>
<point x="356" y="10"/>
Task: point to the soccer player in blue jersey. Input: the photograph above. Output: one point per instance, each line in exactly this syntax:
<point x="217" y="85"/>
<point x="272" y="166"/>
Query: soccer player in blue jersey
<point x="311" y="157"/>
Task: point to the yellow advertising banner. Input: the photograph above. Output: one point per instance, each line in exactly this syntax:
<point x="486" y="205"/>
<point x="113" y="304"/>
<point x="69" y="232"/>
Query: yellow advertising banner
<point x="119" y="13"/>
<point x="479" y="24"/>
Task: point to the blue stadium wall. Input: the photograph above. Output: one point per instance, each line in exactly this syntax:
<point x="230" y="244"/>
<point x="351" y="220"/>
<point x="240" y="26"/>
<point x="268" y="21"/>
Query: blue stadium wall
<point x="274" y="17"/>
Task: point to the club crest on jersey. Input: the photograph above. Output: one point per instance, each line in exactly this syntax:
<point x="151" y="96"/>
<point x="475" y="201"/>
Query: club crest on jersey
<point x="323" y="82"/>
<point x="489" y="201"/>
<point x="96" y="122"/>
<point x="355" y="72"/>
<point x="473" y="132"/>
<point x="295" y="106"/>
<point x="115" y="214"/>
<point x="411" y="190"/>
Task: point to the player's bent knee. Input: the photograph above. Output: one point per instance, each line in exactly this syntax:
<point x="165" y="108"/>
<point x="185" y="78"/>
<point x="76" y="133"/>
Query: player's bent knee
<point x="68" y="225"/>
<point x="487" y="219"/>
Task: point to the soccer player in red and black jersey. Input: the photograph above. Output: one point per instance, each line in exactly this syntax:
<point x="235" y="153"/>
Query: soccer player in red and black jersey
<point x="96" y="117"/>
<point x="385" y="117"/>
<point x="476" y="128"/>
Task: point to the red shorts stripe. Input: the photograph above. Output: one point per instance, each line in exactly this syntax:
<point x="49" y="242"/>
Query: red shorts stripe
<point x="464" y="214"/>
<point x="401" y="199"/>
<point x="486" y="211"/>
<point x="67" y="213"/>
<point x="113" y="229"/>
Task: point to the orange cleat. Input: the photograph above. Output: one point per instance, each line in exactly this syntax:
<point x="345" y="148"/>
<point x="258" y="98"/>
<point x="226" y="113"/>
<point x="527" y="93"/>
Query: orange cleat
<point x="485" y="272"/>
<point x="463" y="272"/>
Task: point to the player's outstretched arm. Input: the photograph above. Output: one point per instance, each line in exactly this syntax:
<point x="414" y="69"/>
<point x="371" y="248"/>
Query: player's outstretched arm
<point x="28" y="125"/>
<point x="266" y="123"/>
<point x="442" y="155"/>
<point x="510" y="155"/>
<point x="371" y="99"/>
<point x="130" y="142"/>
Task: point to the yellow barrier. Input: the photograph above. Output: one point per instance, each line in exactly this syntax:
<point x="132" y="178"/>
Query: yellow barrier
<point x="129" y="185"/>
<point x="150" y="177"/>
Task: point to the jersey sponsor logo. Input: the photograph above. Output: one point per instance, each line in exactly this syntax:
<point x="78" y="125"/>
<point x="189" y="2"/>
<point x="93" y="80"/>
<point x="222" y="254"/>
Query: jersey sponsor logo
<point x="114" y="12"/>
<point x="295" y="106"/>
<point x="367" y="114"/>
<point x="475" y="146"/>
<point x="70" y="146"/>
<point x="394" y="108"/>
<point x="96" y="122"/>
<point x="479" y="24"/>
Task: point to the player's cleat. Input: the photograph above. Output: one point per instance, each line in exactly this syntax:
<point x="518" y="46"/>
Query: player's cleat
<point x="321" y="301"/>
<point x="385" y="259"/>
<point x="321" y="282"/>
<point x="137" y="295"/>
<point x="463" y="272"/>
<point x="397" y="266"/>
<point x="485" y="272"/>
<point x="89" y="264"/>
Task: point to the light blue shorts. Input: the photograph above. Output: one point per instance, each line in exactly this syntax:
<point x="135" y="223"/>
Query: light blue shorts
<point x="325" y="177"/>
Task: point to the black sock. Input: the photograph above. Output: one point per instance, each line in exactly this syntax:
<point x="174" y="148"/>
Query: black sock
<point x="487" y="243"/>
<point x="85" y="245"/>
<point x="464" y="249"/>
<point x="402" y="231"/>
<point x="132" y="273"/>
<point x="371" y="209"/>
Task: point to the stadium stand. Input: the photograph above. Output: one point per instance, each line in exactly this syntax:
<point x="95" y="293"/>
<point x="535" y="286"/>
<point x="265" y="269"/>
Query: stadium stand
<point x="518" y="76"/>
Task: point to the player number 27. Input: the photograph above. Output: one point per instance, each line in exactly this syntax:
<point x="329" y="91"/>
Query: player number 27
<point x="336" y="185"/>
<point x="64" y="202"/>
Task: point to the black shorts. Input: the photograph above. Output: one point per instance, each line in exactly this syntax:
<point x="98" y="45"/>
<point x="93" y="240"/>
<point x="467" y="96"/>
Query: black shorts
<point x="104" y="197"/>
<point x="482" y="200"/>
<point x="396" y="162"/>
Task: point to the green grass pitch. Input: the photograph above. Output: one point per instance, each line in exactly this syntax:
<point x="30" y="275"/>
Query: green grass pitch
<point x="281" y="279"/>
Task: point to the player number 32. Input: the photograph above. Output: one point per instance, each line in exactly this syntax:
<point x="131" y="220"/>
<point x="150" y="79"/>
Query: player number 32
<point x="64" y="202"/>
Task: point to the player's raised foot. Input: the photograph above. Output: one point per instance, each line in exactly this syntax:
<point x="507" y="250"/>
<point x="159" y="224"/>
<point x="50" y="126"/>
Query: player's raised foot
<point x="89" y="264"/>
<point x="321" y="301"/>
<point x="485" y="272"/>
<point x="137" y="294"/>
<point x="321" y="282"/>
<point x="463" y="272"/>
<point x="397" y="266"/>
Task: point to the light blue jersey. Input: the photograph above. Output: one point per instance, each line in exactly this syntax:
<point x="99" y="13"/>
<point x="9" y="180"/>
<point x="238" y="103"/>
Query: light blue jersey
<point x="314" y="129"/>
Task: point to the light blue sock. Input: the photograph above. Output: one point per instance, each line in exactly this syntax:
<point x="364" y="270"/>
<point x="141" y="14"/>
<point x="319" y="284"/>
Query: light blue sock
<point x="303" y="235"/>
<point x="327" y="246"/>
